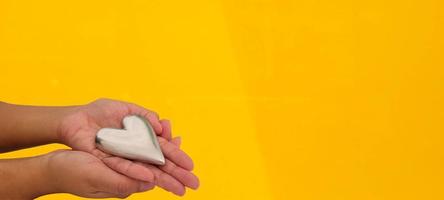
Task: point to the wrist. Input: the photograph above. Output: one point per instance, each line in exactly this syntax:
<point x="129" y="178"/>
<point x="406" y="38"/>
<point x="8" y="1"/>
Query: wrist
<point x="41" y="181"/>
<point x="26" y="126"/>
<point x="25" y="178"/>
<point x="64" y="116"/>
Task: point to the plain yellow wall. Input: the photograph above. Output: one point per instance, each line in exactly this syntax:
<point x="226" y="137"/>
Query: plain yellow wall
<point x="274" y="99"/>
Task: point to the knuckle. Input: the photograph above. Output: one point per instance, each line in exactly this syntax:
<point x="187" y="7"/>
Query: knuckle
<point x="123" y="190"/>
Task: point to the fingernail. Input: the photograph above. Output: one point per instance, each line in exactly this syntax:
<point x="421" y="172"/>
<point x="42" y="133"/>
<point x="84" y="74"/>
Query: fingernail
<point x="145" y="186"/>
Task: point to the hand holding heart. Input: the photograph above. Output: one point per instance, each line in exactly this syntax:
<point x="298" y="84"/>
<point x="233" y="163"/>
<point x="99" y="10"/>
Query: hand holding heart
<point x="136" y="141"/>
<point x="78" y="130"/>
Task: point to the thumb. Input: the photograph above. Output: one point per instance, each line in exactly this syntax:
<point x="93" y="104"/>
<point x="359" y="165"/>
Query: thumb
<point x="109" y="181"/>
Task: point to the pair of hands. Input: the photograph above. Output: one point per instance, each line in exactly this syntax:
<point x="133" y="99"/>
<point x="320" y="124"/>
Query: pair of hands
<point x="89" y="172"/>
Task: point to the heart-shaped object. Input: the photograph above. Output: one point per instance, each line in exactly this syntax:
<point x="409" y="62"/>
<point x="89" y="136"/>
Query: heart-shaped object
<point x="136" y="141"/>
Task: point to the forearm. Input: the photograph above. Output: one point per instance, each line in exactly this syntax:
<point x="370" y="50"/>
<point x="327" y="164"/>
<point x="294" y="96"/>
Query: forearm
<point x="26" y="126"/>
<point x="24" y="178"/>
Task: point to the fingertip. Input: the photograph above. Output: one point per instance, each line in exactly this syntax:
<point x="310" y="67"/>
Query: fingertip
<point x="179" y="192"/>
<point x="166" y="129"/>
<point x="177" y="141"/>
<point x="155" y="123"/>
<point x="195" y="184"/>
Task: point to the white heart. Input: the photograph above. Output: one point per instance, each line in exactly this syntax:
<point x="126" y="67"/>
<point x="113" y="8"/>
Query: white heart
<point x="136" y="141"/>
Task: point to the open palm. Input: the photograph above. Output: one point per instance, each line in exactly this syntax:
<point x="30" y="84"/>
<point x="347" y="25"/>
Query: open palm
<point x="78" y="130"/>
<point x="85" y="175"/>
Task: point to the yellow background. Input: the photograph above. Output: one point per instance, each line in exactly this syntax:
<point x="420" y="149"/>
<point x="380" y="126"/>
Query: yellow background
<point x="274" y="99"/>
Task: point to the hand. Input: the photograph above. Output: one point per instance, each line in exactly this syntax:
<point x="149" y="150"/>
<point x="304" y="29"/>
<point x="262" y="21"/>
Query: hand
<point x="78" y="130"/>
<point x="85" y="175"/>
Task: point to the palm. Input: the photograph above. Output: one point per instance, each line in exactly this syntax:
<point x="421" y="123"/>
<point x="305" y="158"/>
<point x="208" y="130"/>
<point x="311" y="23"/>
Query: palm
<point x="79" y="129"/>
<point x="99" y="180"/>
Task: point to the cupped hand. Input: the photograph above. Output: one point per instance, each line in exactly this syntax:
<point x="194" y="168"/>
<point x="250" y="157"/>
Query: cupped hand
<point x="78" y="130"/>
<point x="83" y="174"/>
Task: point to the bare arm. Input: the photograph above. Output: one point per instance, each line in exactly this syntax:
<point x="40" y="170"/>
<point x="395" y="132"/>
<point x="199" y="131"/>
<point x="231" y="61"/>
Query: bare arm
<point x="71" y="172"/>
<point x="76" y="126"/>
<point x="27" y="126"/>
<point x="24" y="178"/>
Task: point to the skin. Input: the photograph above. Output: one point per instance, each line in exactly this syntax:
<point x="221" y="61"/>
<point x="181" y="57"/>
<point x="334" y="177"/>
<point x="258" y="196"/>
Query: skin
<point x="76" y="126"/>
<point x="67" y="171"/>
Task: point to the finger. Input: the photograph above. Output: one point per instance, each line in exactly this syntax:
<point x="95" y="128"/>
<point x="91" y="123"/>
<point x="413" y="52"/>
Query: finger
<point x="109" y="181"/>
<point x="136" y="109"/>
<point x="151" y="116"/>
<point x="176" y="155"/>
<point x="129" y="168"/>
<point x="154" y="121"/>
<point x="184" y="176"/>
<point x="99" y="154"/>
<point x="177" y="141"/>
<point x="166" y="129"/>
<point x="166" y="181"/>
